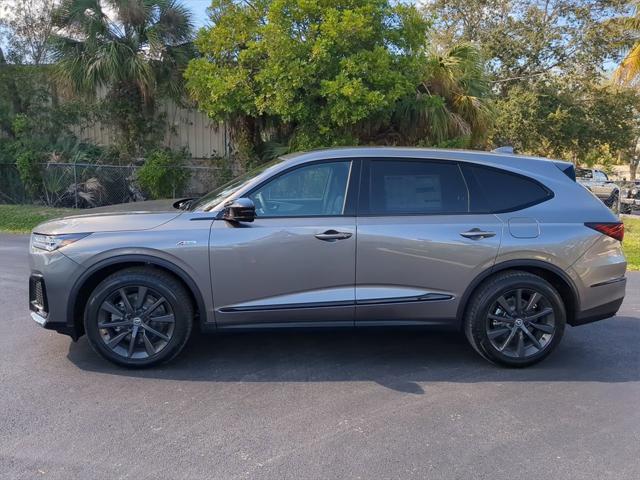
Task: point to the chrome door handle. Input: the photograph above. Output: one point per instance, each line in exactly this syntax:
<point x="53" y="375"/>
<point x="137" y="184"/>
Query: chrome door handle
<point x="331" y="235"/>
<point x="477" y="234"/>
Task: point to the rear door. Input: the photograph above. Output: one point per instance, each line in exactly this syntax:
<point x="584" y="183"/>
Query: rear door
<point x="419" y="246"/>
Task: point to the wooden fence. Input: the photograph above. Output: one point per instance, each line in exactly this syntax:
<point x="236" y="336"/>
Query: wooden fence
<point x="186" y="127"/>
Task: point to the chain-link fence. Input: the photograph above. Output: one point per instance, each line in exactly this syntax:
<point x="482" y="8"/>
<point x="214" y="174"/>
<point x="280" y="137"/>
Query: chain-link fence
<point x="83" y="185"/>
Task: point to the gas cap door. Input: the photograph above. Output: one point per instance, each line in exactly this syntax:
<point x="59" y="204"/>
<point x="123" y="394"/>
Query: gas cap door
<point x="524" y="227"/>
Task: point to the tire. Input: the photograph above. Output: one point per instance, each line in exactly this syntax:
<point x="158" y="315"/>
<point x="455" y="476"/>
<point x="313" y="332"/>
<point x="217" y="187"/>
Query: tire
<point x="496" y="333"/>
<point x="158" y="317"/>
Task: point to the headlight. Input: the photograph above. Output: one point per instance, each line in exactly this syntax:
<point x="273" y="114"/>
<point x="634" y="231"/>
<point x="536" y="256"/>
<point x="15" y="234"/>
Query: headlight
<point x="54" y="242"/>
<point x="634" y="191"/>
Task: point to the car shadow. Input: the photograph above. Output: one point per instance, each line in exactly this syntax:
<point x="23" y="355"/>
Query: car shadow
<point x="402" y="360"/>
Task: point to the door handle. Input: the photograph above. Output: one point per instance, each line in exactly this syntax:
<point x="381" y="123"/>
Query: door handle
<point x="477" y="234"/>
<point x="331" y="235"/>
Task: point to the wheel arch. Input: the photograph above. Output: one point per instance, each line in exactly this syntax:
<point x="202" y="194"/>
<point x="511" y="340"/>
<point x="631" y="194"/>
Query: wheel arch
<point x="551" y="273"/>
<point x="86" y="283"/>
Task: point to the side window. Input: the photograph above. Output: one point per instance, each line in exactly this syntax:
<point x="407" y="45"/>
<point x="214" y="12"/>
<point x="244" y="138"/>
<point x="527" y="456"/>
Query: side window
<point x="584" y="174"/>
<point x="398" y="187"/>
<point x="601" y="176"/>
<point x="314" y="190"/>
<point x="494" y="190"/>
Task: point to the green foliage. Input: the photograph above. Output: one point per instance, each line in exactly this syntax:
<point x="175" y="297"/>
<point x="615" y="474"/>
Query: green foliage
<point x="573" y="122"/>
<point x="319" y="72"/>
<point x="136" y="51"/>
<point x="161" y="176"/>
<point x="528" y="41"/>
<point x="28" y="163"/>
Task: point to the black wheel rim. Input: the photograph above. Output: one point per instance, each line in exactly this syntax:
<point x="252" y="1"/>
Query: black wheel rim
<point x="136" y="322"/>
<point x="521" y="323"/>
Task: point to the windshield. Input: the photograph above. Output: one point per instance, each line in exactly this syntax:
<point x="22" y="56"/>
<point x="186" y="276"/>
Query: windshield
<point x="214" y="197"/>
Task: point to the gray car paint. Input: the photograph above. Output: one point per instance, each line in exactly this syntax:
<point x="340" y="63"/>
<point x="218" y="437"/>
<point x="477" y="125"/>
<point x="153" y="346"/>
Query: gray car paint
<point x="402" y="270"/>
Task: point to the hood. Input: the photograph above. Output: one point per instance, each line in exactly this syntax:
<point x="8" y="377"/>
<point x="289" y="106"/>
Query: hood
<point x="114" y="218"/>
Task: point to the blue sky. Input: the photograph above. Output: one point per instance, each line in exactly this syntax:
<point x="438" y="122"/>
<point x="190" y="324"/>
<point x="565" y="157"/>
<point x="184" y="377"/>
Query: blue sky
<point x="198" y="7"/>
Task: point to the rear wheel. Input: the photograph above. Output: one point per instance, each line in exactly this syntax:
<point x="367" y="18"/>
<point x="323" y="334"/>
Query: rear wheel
<point x="139" y="317"/>
<point x="515" y="319"/>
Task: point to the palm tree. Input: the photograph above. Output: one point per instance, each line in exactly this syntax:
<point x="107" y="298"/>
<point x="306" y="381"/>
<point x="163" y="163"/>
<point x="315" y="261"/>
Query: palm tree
<point x="628" y="72"/>
<point x="132" y="50"/>
<point x="452" y="103"/>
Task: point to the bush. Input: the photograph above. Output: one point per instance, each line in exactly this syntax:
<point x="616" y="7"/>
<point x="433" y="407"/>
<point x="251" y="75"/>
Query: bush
<point x="162" y="175"/>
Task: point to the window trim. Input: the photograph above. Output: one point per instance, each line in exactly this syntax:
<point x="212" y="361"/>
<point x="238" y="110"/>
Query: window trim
<point x="353" y="187"/>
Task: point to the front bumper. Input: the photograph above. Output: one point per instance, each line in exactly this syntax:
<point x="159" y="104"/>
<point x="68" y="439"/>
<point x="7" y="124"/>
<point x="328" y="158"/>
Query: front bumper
<point x="50" y="282"/>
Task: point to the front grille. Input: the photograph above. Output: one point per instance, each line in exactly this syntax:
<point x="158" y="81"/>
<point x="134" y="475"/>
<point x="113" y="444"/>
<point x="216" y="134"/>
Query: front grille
<point x="38" y="295"/>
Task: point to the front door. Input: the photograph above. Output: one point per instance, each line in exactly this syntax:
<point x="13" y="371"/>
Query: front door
<point x="295" y="264"/>
<point x="419" y="245"/>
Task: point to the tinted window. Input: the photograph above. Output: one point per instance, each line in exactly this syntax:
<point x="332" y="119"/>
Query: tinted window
<point x="318" y="189"/>
<point x="416" y="187"/>
<point x="494" y="190"/>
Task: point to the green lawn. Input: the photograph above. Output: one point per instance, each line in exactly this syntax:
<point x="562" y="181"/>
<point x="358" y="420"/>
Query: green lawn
<point x="631" y="242"/>
<point x="22" y="218"/>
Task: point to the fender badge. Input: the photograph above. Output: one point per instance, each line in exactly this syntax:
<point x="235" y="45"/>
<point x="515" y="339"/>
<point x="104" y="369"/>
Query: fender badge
<point x="185" y="243"/>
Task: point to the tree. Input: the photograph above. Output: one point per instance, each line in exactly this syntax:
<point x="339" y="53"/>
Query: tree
<point x="452" y="105"/>
<point x="526" y="41"/>
<point x="27" y="29"/>
<point x="629" y="70"/>
<point x="313" y="72"/>
<point x="573" y="122"/>
<point x="310" y="74"/>
<point x="135" y="50"/>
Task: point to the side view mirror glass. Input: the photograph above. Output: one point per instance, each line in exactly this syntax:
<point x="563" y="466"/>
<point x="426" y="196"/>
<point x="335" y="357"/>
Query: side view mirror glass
<point x="240" y="210"/>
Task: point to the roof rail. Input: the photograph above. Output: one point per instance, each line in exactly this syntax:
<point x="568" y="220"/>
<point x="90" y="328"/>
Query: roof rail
<point x="505" y="149"/>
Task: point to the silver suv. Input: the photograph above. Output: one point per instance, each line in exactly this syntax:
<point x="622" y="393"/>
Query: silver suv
<point x="507" y="249"/>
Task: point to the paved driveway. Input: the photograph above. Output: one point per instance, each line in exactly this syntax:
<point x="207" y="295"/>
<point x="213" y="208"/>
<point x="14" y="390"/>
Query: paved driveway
<point x="396" y="405"/>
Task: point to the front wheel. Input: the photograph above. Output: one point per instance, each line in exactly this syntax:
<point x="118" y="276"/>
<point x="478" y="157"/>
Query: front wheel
<point x="515" y="319"/>
<point x="139" y="317"/>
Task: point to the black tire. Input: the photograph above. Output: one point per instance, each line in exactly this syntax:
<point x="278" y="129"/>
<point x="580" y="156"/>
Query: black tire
<point x="158" y="328"/>
<point x="485" y="319"/>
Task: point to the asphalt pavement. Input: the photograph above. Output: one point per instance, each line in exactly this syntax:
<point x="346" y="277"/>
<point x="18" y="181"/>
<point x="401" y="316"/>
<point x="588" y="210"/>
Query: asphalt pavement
<point x="332" y="405"/>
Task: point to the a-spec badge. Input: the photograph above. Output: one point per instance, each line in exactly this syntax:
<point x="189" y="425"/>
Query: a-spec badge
<point x="186" y="243"/>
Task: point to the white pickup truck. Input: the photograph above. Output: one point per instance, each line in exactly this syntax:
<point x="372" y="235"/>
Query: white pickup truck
<point x="599" y="184"/>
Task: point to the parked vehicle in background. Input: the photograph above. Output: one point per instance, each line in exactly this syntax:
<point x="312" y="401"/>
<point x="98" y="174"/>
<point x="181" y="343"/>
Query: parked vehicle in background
<point x="599" y="184"/>
<point x="505" y="248"/>
<point x="630" y="197"/>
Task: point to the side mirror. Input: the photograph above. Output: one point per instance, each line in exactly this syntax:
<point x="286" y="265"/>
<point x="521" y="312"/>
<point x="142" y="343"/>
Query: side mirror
<point x="240" y="210"/>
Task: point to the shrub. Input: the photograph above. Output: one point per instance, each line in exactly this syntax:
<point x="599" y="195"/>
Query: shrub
<point x="162" y="175"/>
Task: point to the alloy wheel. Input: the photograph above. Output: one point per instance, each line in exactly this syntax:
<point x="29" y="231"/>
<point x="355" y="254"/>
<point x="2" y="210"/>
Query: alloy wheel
<point x="520" y="323"/>
<point x="136" y="322"/>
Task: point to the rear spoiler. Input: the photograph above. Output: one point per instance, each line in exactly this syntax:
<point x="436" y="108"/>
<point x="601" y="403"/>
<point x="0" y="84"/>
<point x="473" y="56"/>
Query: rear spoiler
<point x="567" y="168"/>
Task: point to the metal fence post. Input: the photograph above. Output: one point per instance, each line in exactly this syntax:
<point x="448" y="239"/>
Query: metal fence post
<point x="75" y="184"/>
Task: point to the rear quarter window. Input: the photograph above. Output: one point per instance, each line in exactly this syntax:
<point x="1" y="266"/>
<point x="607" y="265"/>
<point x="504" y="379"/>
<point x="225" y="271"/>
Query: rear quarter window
<point x="494" y="191"/>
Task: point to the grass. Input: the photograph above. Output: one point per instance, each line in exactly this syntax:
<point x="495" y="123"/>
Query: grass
<point x="22" y="218"/>
<point x="631" y="242"/>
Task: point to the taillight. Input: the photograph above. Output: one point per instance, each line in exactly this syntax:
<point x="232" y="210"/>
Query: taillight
<point x="611" y="229"/>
